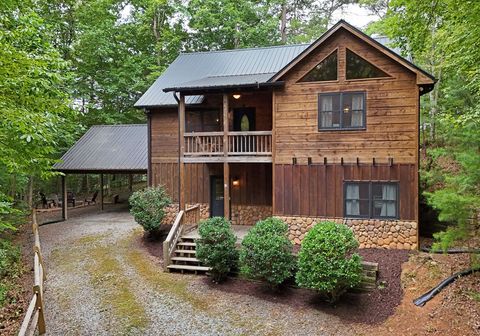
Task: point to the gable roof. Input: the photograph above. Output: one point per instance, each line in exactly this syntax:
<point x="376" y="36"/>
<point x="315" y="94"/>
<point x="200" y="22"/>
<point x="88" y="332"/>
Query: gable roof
<point x="217" y="67"/>
<point x="108" y="148"/>
<point x="252" y="67"/>
<point x="423" y="77"/>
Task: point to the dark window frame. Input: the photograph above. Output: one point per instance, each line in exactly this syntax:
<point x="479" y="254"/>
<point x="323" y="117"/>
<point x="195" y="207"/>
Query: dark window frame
<point x="370" y="199"/>
<point x="340" y="127"/>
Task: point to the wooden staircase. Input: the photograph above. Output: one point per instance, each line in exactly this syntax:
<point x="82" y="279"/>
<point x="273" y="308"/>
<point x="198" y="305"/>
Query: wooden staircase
<point x="184" y="259"/>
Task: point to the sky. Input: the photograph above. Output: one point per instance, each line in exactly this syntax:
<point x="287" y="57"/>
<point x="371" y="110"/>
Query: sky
<point x="355" y="15"/>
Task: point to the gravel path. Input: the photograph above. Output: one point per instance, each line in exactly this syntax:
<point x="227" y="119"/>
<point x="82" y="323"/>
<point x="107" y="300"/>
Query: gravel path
<point x="100" y="281"/>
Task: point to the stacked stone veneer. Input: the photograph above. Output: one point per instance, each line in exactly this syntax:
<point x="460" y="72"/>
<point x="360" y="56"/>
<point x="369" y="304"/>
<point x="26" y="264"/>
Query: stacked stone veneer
<point x="249" y="214"/>
<point x="172" y="210"/>
<point x="370" y="233"/>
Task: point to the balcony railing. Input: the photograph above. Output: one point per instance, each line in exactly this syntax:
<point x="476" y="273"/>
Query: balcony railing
<point x="210" y="144"/>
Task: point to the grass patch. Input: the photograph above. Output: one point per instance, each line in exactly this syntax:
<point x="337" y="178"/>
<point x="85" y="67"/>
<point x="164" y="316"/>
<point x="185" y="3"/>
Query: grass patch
<point x="474" y="295"/>
<point x="113" y="286"/>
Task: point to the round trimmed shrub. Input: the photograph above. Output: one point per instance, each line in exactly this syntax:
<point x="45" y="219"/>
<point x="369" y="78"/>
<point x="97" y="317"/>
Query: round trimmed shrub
<point x="326" y="261"/>
<point x="148" y="207"/>
<point x="216" y="247"/>
<point x="266" y="252"/>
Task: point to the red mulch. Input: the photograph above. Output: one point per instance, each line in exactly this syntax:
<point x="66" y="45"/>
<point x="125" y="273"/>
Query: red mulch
<point x="366" y="307"/>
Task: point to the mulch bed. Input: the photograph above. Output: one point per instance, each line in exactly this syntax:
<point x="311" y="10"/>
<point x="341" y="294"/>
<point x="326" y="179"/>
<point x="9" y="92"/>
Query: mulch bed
<point x="364" y="307"/>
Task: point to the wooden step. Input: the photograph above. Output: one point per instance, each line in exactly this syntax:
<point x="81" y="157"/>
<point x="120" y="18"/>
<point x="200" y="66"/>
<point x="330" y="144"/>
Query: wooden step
<point x="185" y="259"/>
<point x="189" y="268"/>
<point x="185" y="251"/>
<point x="187" y="239"/>
<point x="186" y="244"/>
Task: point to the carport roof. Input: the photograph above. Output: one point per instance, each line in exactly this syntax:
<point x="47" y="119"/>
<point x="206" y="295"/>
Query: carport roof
<point x="108" y="149"/>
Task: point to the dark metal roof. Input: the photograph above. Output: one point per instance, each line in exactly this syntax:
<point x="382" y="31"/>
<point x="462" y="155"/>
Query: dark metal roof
<point x="108" y="148"/>
<point x="225" y="63"/>
<point x="223" y="82"/>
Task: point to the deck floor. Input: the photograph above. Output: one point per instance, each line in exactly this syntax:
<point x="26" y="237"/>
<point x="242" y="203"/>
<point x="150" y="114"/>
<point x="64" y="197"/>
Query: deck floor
<point x="239" y="230"/>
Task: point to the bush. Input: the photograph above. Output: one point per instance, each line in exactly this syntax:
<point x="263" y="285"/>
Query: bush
<point x="10" y="266"/>
<point x="148" y="207"/>
<point x="266" y="252"/>
<point x="216" y="247"/>
<point x="326" y="261"/>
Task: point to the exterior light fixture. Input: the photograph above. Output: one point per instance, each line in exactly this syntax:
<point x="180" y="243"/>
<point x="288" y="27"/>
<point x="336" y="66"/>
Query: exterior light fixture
<point x="237" y="96"/>
<point x="236" y="181"/>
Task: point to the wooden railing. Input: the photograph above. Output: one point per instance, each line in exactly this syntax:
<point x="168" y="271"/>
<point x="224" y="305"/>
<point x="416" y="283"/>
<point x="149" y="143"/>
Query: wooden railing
<point x="239" y="143"/>
<point x="250" y="143"/>
<point x="188" y="218"/>
<point x="34" y="316"/>
<point x="204" y="143"/>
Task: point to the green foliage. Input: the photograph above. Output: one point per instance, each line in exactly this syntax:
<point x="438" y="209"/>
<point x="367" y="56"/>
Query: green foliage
<point x="327" y="262"/>
<point x="266" y="252"/>
<point x="216" y="247"/>
<point x="9" y="266"/>
<point x="148" y="207"/>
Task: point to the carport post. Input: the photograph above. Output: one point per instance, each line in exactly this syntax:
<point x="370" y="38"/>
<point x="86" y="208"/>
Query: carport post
<point x="64" y="197"/>
<point x="130" y="182"/>
<point x="101" y="191"/>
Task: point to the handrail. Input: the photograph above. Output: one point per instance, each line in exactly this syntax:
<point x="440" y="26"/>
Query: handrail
<point x="176" y="231"/>
<point x="250" y="133"/>
<point x="34" y="316"/>
<point x="191" y="134"/>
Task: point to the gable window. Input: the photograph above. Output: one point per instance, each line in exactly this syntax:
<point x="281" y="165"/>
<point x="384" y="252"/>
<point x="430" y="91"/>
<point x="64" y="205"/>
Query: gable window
<point x="326" y="70"/>
<point x="358" y="68"/>
<point x="371" y="199"/>
<point x="341" y="110"/>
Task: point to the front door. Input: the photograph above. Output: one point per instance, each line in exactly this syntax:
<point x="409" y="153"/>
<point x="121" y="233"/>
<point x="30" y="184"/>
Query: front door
<point x="216" y="196"/>
<point x="244" y="119"/>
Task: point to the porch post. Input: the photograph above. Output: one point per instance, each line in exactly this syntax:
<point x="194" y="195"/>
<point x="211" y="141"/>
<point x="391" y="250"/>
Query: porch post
<point x="64" y="197"/>
<point x="181" y="139"/>
<point x="101" y="191"/>
<point x="130" y="182"/>
<point x="226" y="167"/>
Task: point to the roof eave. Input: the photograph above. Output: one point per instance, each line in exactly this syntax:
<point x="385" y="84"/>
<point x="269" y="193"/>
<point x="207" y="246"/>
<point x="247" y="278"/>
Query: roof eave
<point x="223" y="88"/>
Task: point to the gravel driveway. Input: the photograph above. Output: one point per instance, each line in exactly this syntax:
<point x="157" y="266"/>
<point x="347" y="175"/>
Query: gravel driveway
<point x="100" y="281"/>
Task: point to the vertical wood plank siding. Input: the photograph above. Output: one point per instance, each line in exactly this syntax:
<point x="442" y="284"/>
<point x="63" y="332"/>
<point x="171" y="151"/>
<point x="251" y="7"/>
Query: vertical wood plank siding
<point x="317" y="190"/>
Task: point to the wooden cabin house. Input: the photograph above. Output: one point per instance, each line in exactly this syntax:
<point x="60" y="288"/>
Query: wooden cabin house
<point x="327" y="130"/>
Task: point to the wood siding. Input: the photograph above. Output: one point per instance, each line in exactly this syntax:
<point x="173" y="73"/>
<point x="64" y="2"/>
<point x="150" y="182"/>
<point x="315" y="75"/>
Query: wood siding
<point x="391" y="105"/>
<point x="317" y="190"/>
<point x="255" y="182"/>
<point x="164" y="133"/>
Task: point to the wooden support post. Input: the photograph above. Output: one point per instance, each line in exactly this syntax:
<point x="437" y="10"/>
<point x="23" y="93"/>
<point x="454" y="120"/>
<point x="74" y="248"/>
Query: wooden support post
<point x="64" y="197"/>
<point x="226" y="167"/>
<point x="130" y="182"/>
<point x="101" y="191"/>
<point x="181" y="166"/>
<point x="226" y="190"/>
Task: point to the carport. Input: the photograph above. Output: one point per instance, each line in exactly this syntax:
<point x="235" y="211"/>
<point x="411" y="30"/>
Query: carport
<point x="105" y="149"/>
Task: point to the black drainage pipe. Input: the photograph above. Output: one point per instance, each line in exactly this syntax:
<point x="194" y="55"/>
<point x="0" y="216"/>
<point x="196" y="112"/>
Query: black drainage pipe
<point x="420" y="302"/>
<point x="450" y="251"/>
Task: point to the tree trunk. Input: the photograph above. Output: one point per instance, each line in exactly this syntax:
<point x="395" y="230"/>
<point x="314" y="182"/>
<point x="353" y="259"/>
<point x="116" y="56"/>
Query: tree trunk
<point x="283" y="22"/>
<point x="30" y="192"/>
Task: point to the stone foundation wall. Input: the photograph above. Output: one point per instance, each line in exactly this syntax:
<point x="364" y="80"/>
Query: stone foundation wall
<point x="172" y="210"/>
<point x="391" y="234"/>
<point x="249" y="214"/>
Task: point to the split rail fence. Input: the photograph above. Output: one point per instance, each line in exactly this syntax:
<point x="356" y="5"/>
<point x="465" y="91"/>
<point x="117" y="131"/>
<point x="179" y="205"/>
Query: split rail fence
<point x="34" y="317"/>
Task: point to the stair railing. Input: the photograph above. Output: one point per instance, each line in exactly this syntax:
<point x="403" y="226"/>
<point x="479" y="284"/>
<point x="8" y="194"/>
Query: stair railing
<point x="190" y="217"/>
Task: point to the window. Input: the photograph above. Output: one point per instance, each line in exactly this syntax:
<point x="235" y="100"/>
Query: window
<point x="358" y="68"/>
<point x="326" y="70"/>
<point x="371" y="199"/>
<point x="344" y="110"/>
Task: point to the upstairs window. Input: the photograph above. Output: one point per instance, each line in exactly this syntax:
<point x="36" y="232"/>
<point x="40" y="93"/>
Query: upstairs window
<point x="342" y="110"/>
<point x="326" y="70"/>
<point x="371" y="200"/>
<point x="358" y="68"/>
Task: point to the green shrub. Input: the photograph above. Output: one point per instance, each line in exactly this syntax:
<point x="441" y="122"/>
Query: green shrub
<point x="326" y="261"/>
<point x="10" y="266"/>
<point x="216" y="247"/>
<point x="266" y="252"/>
<point x="148" y="207"/>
